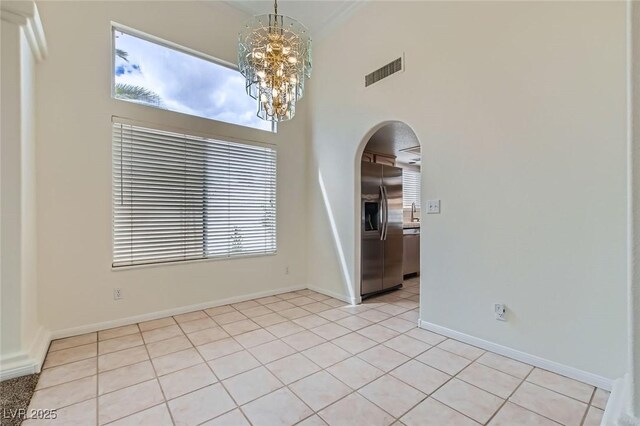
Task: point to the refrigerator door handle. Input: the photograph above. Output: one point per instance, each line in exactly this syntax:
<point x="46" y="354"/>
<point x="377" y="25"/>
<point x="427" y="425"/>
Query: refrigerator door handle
<point x="383" y="213"/>
<point x="386" y="211"/>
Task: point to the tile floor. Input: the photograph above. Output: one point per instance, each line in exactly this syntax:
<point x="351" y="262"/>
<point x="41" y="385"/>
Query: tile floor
<point x="300" y="358"/>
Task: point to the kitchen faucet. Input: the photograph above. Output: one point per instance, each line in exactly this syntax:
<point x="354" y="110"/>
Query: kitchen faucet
<point x="413" y="212"/>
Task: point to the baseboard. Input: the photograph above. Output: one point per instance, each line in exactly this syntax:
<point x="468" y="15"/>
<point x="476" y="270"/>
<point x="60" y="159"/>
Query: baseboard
<point x="90" y="328"/>
<point x="23" y="363"/>
<point x="351" y="300"/>
<point x="565" y="370"/>
<point x="615" y="413"/>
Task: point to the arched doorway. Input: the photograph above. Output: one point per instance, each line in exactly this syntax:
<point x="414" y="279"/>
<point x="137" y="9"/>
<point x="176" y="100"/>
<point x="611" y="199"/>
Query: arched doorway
<point x="388" y="167"/>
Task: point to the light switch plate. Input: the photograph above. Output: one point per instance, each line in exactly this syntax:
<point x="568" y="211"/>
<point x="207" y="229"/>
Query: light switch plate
<point x="433" y="206"/>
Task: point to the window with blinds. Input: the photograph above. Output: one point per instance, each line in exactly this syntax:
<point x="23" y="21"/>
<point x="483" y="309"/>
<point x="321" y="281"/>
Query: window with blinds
<point x="178" y="197"/>
<point x="410" y="188"/>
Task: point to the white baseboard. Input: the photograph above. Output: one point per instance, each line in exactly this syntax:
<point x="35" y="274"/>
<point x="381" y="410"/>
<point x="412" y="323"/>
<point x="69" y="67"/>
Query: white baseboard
<point x="616" y="411"/>
<point x="90" y="328"/>
<point x="23" y="363"/>
<point x="556" y="367"/>
<point x="351" y="300"/>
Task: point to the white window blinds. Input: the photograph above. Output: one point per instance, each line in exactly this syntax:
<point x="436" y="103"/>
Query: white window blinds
<point x="410" y="188"/>
<point x="178" y="197"/>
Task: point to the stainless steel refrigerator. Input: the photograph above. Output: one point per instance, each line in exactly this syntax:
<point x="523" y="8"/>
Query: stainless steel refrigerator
<point x="381" y="222"/>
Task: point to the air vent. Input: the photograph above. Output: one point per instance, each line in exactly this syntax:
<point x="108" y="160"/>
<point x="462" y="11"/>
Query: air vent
<point x="384" y="72"/>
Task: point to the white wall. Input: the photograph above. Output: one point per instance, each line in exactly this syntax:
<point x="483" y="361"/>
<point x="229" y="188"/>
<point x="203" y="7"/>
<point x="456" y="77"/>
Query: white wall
<point x="520" y="110"/>
<point x="74" y="169"/>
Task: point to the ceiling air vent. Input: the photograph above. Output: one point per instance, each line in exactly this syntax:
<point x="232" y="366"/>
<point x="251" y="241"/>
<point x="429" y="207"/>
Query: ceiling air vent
<point x="384" y="72"/>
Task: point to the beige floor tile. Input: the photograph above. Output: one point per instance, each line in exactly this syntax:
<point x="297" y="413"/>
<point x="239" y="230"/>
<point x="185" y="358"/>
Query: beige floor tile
<point x="65" y="394"/>
<point x="233" y="364"/>
<point x="240" y="327"/>
<point x="119" y="378"/>
<point x="392" y="395"/>
<point x="67" y="373"/>
<point x="494" y="381"/>
<point x="122" y="358"/>
<point x="444" y="361"/>
<point x="318" y="297"/>
<point x="511" y="414"/>
<point x="317" y="307"/>
<point x="412" y="316"/>
<point x="280" y="306"/>
<point x="197" y="325"/>
<point x="600" y="398"/>
<point x="201" y="405"/>
<point x="271" y="351"/>
<point x="354" y="343"/>
<point x="268" y="299"/>
<point x="310" y="321"/>
<point x="292" y="368"/>
<point x="257" y="311"/>
<point x="219" y="310"/>
<point x="158" y="323"/>
<point x="190" y="316"/>
<point x="168" y="346"/>
<point x="122" y="403"/>
<point x="118" y="332"/>
<point x="426" y="336"/>
<point x="392" y="309"/>
<point x="184" y="381"/>
<point x="80" y="414"/>
<point x="564" y="385"/>
<point x="330" y="331"/>
<point x="66" y="356"/>
<point x="251" y="385"/>
<point x="398" y="324"/>
<point x="433" y="413"/>
<point x="293" y="313"/>
<point x="373" y="315"/>
<point x="284" y="329"/>
<point x="208" y="335"/>
<point x="278" y="408"/>
<point x="326" y="354"/>
<point x="384" y="358"/>
<point x="156" y="416"/>
<point x="232" y="418"/>
<point x="469" y="400"/>
<point x="420" y="376"/>
<point x="176" y="361"/>
<point x="334" y="314"/>
<point x="319" y="390"/>
<point x="594" y="417"/>
<point x="355" y="410"/>
<point x="550" y="404"/>
<point x="229" y="317"/>
<point x="269" y="319"/>
<point x="506" y="365"/>
<point x="254" y="338"/>
<point x="245" y="305"/>
<point x="301" y="301"/>
<point x="219" y="348"/>
<point x="461" y="349"/>
<point x="303" y="340"/>
<point x="407" y="345"/>
<point x="335" y="302"/>
<point x="409" y="303"/>
<point x="74" y="341"/>
<point x="161" y="333"/>
<point x="314" y="420"/>
<point x="378" y="333"/>
<point x="354" y="322"/>
<point x="356" y="309"/>
<point x="119" y="343"/>
<point x="355" y="372"/>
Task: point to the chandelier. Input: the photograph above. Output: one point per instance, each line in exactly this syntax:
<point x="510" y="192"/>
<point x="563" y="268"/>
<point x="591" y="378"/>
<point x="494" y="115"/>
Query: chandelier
<point x="274" y="56"/>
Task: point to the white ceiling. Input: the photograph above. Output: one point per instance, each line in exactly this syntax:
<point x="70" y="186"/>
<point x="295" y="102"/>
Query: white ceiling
<point x="396" y="138"/>
<point x="316" y="15"/>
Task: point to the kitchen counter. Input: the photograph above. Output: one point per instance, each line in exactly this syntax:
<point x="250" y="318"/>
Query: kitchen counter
<point x="408" y="225"/>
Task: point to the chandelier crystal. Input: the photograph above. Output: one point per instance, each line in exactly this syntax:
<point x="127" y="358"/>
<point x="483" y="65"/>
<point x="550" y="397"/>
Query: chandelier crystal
<point x="274" y="56"/>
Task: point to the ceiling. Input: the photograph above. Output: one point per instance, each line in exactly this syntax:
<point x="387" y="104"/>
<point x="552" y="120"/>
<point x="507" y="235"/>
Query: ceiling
<point x="316" y="15"/>
<point x="396" y="138"/>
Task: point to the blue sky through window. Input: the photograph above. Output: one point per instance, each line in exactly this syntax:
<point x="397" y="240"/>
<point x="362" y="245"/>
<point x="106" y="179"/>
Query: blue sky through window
<point x="157" y="75"/>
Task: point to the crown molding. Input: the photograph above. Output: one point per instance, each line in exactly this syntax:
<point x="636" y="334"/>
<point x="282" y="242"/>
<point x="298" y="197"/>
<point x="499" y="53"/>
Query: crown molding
<point x="25" y="14"/>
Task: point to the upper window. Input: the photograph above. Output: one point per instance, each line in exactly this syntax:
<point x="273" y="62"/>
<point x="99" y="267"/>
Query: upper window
<point x="157" y="75"/>
<point x="180" y="197"/>
<point x="410" y="188"/>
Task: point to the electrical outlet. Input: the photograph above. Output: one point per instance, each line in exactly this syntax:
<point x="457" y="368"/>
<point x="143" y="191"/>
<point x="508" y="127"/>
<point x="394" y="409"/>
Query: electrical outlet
<point x="433" y="206"/>
<point x="117" y="293"/>
<point x="501" y="311"/>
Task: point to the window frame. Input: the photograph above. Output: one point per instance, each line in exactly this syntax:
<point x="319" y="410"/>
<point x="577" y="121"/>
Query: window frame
<point x="223" y="138"/>
<point x="178" y="48"/>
